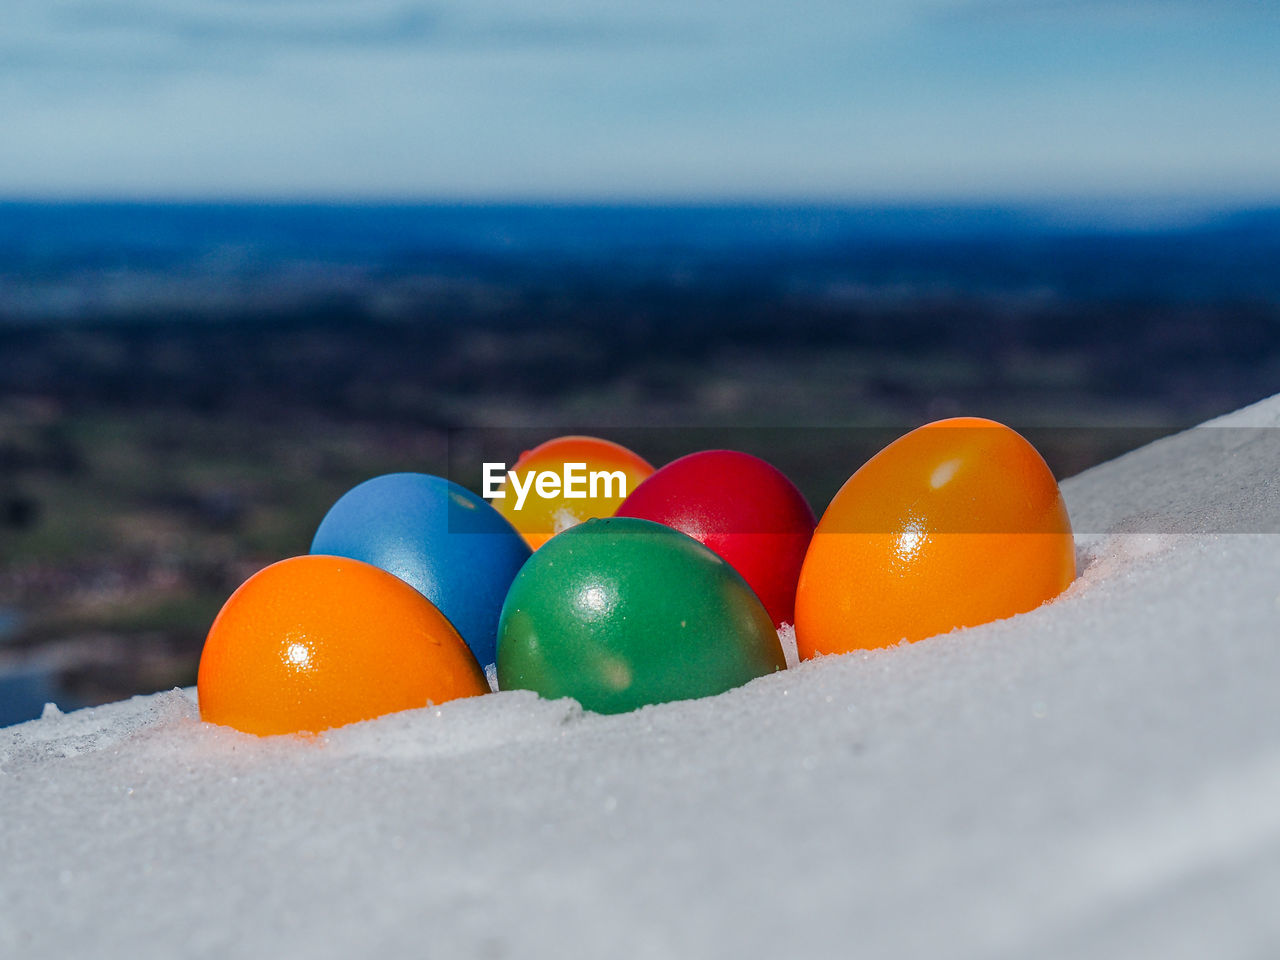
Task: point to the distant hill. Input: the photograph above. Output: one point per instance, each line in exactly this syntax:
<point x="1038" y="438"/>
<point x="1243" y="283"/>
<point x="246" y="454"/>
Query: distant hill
<point x="97" y="261"/>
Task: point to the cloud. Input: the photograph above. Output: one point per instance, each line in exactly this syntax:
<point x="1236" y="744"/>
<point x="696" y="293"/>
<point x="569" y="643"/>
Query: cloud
<point x="237" y="25"/>
<point x="1109" y="11"/>
<point x="611" y="97"/>
<point x="111" y="36"/>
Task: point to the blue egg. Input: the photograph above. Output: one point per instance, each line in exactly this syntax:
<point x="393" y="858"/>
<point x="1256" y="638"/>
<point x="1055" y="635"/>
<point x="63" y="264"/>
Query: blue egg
<point x="440" y="538"/>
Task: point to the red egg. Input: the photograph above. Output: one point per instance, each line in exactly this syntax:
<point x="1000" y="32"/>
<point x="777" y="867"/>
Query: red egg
<point x="743" y="509"/>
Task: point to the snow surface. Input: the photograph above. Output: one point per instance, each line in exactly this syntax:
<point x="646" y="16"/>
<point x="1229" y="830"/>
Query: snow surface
<point x="1096" y="778"/>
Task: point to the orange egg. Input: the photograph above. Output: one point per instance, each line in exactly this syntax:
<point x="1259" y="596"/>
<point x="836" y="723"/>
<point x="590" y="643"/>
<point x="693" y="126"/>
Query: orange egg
<point x="957" y="523"/>
<point x="316" y="642"/>
<point x="609" y="471"/>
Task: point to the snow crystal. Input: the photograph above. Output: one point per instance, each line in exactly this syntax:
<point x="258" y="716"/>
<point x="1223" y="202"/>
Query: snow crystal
<point x="1098" y="777"/>
<point x="787" y="637"/>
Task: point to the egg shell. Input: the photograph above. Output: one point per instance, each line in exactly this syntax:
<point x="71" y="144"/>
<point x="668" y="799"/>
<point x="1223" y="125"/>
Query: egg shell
<point x="621" y="613"/>
<point x="741" y="507"/>
<point x="541" y="518"/>
<point x="957" y="523"/>
<point x="315" y="642"/>
<point x="440" y="538"/>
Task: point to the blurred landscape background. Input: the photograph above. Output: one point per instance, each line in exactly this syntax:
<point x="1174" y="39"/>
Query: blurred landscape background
<point x="251" y="255"/>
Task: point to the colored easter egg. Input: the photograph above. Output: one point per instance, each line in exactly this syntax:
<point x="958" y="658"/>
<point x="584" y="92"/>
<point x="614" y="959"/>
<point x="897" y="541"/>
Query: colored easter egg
<point x="315" y="642"/>
<point x="744" y="509"/>
<point x="602" y="475"/>
<point x="957" y="523"/>
<point x="438" y="537"/>
<point x="621" y="613"/>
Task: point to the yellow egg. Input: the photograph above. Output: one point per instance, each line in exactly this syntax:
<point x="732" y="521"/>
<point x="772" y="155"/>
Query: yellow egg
<point x="606" y="473"/>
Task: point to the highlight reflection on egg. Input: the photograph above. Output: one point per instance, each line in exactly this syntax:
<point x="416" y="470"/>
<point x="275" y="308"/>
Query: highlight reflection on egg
<point x="957" y="523"/>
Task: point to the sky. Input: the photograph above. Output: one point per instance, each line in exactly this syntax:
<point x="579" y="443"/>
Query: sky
<point x="662" y="100"/>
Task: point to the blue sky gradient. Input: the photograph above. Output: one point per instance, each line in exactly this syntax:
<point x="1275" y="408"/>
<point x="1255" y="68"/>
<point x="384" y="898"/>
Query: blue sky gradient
<point x="696" y="100"/>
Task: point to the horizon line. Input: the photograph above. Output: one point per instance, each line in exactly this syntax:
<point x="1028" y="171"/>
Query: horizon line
<point x="1204" y="199"/>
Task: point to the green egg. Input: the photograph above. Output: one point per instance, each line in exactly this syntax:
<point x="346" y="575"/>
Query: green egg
<point x="620" y="613"/>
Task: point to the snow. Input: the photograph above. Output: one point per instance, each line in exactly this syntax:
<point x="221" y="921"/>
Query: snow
<point x="1097" y="778"/>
